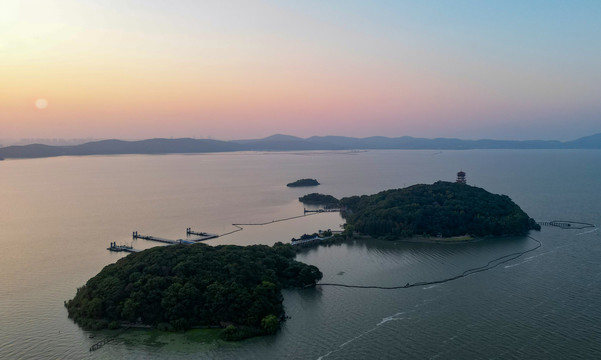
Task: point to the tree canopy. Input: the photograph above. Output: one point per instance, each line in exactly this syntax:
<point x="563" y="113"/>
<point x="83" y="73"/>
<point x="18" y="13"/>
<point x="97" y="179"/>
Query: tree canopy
<point x="182" y="286"/>
<point x="319" y="199"/>
<point x="303" y="182"/>
<point x="443" y="208"/>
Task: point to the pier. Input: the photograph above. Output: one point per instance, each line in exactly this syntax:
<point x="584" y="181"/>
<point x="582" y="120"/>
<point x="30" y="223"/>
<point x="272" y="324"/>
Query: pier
<point x="311" y="240"/>
<point x="118" y="248"/>
<point x="135" y="236"/>
<point x="201" y="235"/>
<point x="321" y="210"/>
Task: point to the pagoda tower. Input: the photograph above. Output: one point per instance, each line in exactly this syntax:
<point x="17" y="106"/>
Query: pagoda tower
<point x="461" y="178"/>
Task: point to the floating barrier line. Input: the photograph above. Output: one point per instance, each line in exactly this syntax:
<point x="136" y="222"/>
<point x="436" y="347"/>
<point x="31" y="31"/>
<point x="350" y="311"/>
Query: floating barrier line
<point x="489" y="266"/>
<point x="278" y="220"/>
<point x="240" y="226"/>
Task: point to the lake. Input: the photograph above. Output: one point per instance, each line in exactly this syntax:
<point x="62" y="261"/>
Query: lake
<point x="58" y="216"/>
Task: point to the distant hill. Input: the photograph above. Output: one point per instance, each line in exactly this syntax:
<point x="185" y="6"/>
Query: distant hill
<point x="587" y="142"/>
<point x="280" y="142"/>
<point x="285" y="142"/>
<point x="114" y="147"/>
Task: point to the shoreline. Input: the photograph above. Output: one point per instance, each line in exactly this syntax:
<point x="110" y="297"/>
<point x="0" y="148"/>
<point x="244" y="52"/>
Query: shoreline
<point x="463" y="239"/>
<point x="442" y="240"/>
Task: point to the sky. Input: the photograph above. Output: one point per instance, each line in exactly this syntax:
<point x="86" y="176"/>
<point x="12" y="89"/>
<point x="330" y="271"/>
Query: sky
<point x="134" y="69"/>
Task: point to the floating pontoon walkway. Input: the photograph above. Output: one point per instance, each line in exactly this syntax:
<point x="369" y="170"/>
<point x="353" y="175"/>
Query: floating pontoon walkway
<point x="321" y="210"/>
<point x="202" y="235"/>
<point x="119" y="248"/>
<point x="135" y="235"/>
<point x="310" y="240"/>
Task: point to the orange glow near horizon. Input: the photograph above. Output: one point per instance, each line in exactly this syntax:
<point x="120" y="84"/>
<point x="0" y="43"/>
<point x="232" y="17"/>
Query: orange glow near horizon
<point x="130" y="72"/>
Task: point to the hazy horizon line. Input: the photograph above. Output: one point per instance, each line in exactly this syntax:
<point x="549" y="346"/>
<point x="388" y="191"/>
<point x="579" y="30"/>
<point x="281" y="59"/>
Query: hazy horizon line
<point x="56" y="141"/>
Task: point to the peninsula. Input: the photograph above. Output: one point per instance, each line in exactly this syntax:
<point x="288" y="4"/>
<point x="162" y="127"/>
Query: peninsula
<point x="181" y="287"/>
<point x="441" y="210"/>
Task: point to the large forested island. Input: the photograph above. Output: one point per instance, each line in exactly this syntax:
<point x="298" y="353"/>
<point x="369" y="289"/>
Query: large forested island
<point x="443" y="209"/>
<point x="179" y="287"/>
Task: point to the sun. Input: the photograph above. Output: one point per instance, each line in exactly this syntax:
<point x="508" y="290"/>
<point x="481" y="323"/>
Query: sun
<point x="41" y="103"/>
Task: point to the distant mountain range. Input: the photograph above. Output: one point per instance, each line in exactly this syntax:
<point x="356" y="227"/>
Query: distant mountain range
<point x="285" y="143"/>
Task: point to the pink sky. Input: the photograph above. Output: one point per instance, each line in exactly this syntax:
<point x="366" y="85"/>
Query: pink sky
<point x="126" y="69"/>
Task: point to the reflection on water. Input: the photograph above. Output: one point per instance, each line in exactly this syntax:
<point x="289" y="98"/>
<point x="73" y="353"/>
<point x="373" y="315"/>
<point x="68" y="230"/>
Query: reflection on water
<point x="59" y="215"/>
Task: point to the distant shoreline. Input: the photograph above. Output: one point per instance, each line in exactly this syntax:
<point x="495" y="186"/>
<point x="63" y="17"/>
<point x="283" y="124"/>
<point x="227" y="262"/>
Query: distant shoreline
<point x="285" y="143"/>
<point x="464" y="239"/>
<point x="436" y="240"/>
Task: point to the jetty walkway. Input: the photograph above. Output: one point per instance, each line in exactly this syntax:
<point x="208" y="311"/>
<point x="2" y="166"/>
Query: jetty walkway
<point x="322" y="210"/>
<point x="118" y="248"/>
<point x="201" y="234"/>
<point x="310" y="240"/>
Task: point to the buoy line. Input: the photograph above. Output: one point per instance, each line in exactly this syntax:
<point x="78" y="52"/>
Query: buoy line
<point x="489" y="266"/>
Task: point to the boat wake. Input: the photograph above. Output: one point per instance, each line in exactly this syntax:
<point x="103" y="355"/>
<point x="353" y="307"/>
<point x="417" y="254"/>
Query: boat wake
<point x="396" y="317"/>
<point x="430" y="284"/>
<point x="588" y="232"/>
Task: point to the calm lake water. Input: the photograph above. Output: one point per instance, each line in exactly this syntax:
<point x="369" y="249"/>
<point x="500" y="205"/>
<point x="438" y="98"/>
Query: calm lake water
<point x="58" y="216"/>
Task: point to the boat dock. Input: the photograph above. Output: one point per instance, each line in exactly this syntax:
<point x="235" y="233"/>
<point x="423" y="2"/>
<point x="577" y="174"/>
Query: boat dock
<point x="135" y="236"/>
<point x="201" y="235"/>
<point x="321" y="210"/>
<point x="306" y="241"/>
<point x="119" y="248"/>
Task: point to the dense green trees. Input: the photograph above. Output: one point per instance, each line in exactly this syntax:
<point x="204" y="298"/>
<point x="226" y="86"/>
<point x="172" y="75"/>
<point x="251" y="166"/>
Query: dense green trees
<point x="180" y="286"/>
<point x="448" y="209"/>
<point x="303" y="182"/>
<point x="319" y="199"/>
